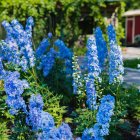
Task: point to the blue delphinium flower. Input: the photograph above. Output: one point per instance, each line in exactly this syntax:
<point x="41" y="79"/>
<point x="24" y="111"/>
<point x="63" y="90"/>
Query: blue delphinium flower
<point x="34" y="115"/>
<point x="15" y="104"/>
<point x="18" y="43"/>
<point x="24" y="41"/>
<point x="103" y="117"/>
<point x="105" y="109"/>
<point x="9" y="44"/>
<point x="37" y="118"/>
<point x="101" y="47"/>
<point x="92" y="58"/>
<point x="8" y="28"/>
<point x="116" y="69"/>
<point x="88" y="134"/>
<point x="14" y="88"/>
<point x="64" y="53"/>
<point x="17" y="27"/>
<point x="36" y="101"/>
<point x="47" y="61"/>
<point x="10" y="51"/>
<point x="91" y="94"/>
<point x="93" y="73"/>
<point x="46" y="58"/>
<point x="63" y="132"/>
<point x="43" y="123"/>
<point x="29" y="25"/>
<point x="42" y="47"/>
<point x="50" y="35"/>
<point x="9" y="48"/>
<point x="78" y="138"/>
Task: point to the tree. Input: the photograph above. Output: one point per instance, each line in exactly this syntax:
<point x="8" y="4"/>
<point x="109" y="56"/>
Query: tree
<point x="132" y="4"/>
<point x="61" y="17"/>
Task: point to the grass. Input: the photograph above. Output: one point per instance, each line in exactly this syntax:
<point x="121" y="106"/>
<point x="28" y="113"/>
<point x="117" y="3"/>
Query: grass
<point x="132" y="63"/>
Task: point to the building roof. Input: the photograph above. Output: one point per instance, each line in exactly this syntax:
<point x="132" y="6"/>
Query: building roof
<point x="132" y="13"/>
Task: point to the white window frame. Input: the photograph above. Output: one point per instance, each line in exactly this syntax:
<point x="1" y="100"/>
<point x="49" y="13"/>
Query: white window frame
<point x="133" y="27"/>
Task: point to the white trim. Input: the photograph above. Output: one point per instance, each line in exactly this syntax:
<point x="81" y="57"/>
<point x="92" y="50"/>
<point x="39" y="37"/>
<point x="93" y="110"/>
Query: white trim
<point x="133" y="33"/>
<point x="133" y="27"/>
<point x="126" y="29"/>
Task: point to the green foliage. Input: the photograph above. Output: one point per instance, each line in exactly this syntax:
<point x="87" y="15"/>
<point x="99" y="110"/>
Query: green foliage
<point x="59" y="82"/>
<point x="125" y="114"/>
<point x="84" y="118"/>
<point x="52" y="105"/>
<point x="137" y="112"/>
<point x="132" y="4"/>
<point x="4" y="131"/>
<point x="137" y="39"/>
<point x="4" y="115"/>
<point x="132" y="63"/>
<point x="80" y="51"/>
<point x="133" y="102"/>
<point x="19" y="130"/>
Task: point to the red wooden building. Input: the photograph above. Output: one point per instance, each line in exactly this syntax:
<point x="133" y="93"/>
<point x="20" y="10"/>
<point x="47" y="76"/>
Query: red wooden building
<point x="132" y="25"/>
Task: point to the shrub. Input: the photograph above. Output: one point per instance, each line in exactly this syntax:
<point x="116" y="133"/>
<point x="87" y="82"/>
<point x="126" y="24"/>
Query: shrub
<point x="137" y="39"/>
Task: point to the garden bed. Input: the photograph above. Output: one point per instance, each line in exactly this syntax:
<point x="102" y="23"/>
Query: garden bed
<point x="46" y="95"/>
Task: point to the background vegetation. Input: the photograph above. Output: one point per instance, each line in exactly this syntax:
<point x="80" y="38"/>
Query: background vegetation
<point x="62" y="17"/>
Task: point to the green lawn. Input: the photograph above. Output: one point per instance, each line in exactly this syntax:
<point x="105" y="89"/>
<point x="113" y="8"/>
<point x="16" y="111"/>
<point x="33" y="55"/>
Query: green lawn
<point x="131" y="63"/>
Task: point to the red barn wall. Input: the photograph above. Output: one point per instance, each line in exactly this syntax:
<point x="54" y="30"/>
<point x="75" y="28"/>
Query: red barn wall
<point x="137" y="25"/>
<point x="129" y="30"/>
